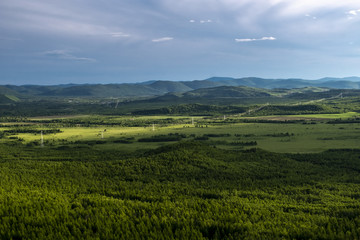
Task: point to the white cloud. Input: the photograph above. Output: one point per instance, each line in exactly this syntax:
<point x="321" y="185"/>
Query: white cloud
<point x="201" y="21"/>
<point x="353" y="12"/>
<point x="66" y="55"/>
<point x="294" y="8"/>
<point x="309" y="16"/>
<point x="164" y="39"/>
<point x="64" y="18"/>
<point x="254" y="39"/>
<point x="268" y="38"/>
<point x="256" y="9"/>
<point x="119" y="35"/>
<point x="244" y="39"/>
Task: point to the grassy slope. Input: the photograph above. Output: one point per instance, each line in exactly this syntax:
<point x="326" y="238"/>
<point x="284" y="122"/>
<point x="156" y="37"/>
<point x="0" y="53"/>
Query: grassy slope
<point x="6" y="99"/>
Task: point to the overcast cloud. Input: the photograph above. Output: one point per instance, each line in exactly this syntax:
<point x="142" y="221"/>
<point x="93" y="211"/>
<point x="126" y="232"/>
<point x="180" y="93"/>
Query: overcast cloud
<point x="80" y="41"/>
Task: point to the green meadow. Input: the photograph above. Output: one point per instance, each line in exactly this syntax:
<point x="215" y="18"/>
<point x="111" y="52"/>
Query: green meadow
<point x="276" y="136"/>
<point x="329" y="116"/>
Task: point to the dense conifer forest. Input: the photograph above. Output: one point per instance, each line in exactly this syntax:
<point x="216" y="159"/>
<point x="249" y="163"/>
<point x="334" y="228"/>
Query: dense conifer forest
<point x="187" y="190"/>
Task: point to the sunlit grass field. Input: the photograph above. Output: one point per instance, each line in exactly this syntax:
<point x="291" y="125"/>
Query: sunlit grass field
<point x="284" y="137"/>
<point x="329" y="116"/>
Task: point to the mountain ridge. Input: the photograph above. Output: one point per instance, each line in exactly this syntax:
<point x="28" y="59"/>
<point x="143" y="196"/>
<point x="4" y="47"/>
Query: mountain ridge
<point x="161" y="87"/>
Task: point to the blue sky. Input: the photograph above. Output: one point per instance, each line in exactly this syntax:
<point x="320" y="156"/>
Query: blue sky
<point x="114" y="41"/>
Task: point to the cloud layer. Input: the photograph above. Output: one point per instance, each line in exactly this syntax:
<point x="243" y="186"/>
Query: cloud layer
<point x="123" y="39"/>
<point x="66" y="55"/>
<point x="254" y="39"/>
<point x="163" y="39"/>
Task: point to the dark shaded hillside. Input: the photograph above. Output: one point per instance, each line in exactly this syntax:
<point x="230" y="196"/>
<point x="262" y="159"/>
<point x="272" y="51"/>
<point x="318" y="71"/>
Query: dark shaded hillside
<point x="220" y="96"/>
<point x="249" y="81"/>
<point x="103" y="91"/>
<point x="217" y="95"/>
<point x="85" y="90"/>
<point x="6" y="90"/>
<point x="332" y="93"/>
<point x="192" y="109"/>
<point x="31" y="90"/>
<point x="201" y="84"/>
<point x="169" y="86"/>
<point x="5" y="99"/>
<point x="294" y="109"/>
<point x="340" y="84"/>
<point x="228" y="92"/>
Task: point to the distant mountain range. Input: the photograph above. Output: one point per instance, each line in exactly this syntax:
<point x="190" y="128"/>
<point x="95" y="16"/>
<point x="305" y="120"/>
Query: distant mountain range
<point x="158" y="88"/>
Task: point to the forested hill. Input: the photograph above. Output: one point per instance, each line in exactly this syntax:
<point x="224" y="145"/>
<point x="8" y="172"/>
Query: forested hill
<point x="229" y="94"/>
<point x="226" y="91"/>
<point x="156" y="88"/>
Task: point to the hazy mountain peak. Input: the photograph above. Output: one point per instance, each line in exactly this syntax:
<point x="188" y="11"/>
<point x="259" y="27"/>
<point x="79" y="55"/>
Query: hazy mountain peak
<point x="218" y="79"/>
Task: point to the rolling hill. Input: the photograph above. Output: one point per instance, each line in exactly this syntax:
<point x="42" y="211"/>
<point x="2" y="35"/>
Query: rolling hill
<point x="228" y="92"/>
<point x="158" y="88"/>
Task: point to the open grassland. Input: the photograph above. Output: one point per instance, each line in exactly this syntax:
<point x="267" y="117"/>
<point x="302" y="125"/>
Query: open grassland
<point x="315" y="117"/>
<point x="329" y="116"/>
<point x="234" y="132"/>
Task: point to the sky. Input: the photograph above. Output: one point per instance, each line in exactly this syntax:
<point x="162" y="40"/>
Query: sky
<point x="114" y="41"/>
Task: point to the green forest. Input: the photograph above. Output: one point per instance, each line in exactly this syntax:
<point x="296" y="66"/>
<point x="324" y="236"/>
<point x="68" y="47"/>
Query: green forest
<point x="186" y="190"/>
<point x="181" y="169"/>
